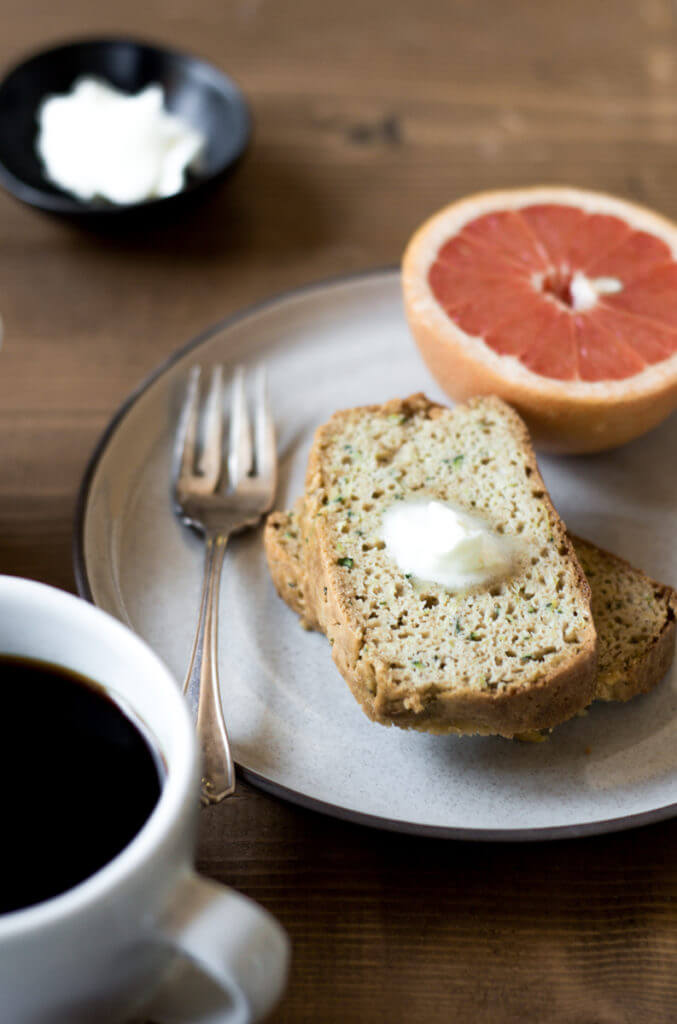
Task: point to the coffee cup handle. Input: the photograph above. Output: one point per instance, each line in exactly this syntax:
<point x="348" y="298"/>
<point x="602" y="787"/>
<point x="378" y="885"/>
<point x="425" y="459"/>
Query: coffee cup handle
<point x="232" y="940"/>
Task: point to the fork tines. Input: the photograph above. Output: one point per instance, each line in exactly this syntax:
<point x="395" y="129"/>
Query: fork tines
<point x="199" y="461"/>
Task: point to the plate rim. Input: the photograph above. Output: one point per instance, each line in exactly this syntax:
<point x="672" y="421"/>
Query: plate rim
<point x="511" y="835"/>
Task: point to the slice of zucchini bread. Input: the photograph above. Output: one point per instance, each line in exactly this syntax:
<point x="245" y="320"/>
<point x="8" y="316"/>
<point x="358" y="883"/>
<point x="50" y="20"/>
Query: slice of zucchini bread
<point x="635" y="620"/>
<point x="496" y="659"/>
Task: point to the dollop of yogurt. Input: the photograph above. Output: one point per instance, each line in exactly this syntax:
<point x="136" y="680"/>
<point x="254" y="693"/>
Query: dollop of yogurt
<point x="99" y="142"/>
<point x="439" y="544"/>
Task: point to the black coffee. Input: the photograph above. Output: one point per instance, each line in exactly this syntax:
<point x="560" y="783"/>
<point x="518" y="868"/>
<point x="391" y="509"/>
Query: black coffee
<point x="78" y="779"/>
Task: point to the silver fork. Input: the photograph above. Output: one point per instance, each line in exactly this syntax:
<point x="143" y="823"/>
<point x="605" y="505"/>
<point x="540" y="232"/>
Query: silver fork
<point x="203" y="502"/>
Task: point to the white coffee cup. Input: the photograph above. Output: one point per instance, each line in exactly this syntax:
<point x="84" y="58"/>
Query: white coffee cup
<point x="101" y="950"/>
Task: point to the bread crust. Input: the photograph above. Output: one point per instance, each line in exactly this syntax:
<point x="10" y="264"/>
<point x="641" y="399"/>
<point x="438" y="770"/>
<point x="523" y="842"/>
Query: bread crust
<point x="321" y="597"/>
<point x="286" y="569"/>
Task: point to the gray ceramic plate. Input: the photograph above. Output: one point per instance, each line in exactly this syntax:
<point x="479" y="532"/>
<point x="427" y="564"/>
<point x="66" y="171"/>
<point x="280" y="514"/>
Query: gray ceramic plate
<point x="296" y="729"/>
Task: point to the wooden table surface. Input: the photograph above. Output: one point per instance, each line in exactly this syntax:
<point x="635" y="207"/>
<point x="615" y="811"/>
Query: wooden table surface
<point x="369" y="115"/>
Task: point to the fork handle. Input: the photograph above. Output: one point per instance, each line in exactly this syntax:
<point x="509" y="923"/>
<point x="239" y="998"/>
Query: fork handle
<point x="202" y="683"/>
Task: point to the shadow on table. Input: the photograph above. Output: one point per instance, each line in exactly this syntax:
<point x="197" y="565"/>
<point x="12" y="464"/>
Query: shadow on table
<point x="267" y="208"/>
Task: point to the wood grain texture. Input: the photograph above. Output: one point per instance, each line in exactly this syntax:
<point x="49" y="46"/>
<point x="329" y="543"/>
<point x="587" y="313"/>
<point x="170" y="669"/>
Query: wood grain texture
<point x="369" y="115"/>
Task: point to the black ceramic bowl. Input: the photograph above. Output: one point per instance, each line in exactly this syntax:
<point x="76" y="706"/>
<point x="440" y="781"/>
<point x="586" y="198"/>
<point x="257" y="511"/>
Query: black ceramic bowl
<point x="202" y="95"/>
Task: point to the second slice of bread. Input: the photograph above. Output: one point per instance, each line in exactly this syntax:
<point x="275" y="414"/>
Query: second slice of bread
<point x="635" y="620"/>
<point x="502" y="659"/>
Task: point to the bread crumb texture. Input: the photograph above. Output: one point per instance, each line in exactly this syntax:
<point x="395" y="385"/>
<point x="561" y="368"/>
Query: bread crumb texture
<point x="635" y="620"/>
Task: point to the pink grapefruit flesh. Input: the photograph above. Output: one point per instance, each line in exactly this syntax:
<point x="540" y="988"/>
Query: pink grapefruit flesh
<point x="507" y="277"/>
<point x="561" y="301"/>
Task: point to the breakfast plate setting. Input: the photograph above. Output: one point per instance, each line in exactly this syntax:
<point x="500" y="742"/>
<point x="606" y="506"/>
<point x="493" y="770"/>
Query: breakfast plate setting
<point x="296" y="730"/>
<point x="376" y="608"/>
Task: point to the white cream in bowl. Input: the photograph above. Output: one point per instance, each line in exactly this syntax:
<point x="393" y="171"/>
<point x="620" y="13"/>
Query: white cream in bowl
<point x="98" y="142"/>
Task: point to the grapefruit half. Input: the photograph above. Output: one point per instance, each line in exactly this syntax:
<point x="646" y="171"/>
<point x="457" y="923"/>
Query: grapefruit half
<point x="561" y="301"/>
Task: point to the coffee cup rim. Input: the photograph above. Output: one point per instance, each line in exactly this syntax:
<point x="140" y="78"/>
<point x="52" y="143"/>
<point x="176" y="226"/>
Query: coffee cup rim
<point x="180" y="783"/>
